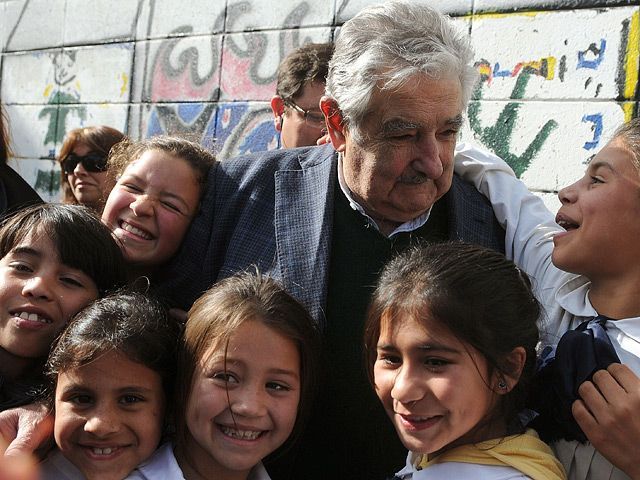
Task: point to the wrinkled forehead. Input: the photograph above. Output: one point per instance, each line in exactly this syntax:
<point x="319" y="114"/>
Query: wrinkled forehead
<point x="421" y="100"/>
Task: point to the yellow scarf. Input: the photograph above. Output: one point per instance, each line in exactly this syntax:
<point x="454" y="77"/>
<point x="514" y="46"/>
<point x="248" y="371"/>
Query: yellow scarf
<point x="524" y="452"/>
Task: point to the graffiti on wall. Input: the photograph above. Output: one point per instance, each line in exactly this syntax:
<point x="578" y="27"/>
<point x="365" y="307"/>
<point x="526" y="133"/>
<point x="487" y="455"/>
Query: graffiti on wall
<point x="230" y="128"/>
<point x="62" y="94"/>
<point x="499" y="135"/>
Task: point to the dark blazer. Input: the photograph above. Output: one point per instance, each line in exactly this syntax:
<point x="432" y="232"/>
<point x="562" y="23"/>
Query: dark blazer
<point x="275" y="210"/>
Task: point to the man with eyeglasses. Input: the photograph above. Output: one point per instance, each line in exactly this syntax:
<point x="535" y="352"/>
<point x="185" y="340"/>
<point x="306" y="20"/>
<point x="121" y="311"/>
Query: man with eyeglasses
<point x="301" y="80"/>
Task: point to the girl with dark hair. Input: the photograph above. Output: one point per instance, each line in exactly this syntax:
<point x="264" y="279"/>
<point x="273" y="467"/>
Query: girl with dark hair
<point x="247" y="366"/>
<point x="112" y="372"/>
<point x="46" y="276"/>
<point x="83" y="161"/>
<point x="587" y="271"/>
<point x="450" y="341"/>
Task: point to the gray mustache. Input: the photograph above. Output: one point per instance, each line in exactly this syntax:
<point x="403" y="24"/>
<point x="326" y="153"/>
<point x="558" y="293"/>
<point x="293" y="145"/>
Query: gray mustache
<point x="413" y="179"/>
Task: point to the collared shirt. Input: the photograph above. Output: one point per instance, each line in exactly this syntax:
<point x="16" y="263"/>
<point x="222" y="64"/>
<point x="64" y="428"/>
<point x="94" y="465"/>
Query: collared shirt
<point x="529" y="230"/>
<point x="409" y="226"/>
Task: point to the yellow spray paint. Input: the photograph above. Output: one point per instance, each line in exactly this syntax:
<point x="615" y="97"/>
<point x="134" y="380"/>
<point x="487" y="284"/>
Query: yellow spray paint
<point x="125" y="82"/>
<point x="631" y="62"/>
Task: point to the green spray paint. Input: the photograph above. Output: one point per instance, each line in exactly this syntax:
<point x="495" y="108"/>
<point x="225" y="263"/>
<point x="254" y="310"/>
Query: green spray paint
<point x="58" y="112"/>
<point x="498" y="136"/>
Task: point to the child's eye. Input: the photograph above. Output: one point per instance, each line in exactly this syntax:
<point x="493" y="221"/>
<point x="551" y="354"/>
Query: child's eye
<point x="81" y="400"/>
<point x="435" y="362"/>
<point x="391" y="360"/>
<point x="20" y="267"/>
<point x="130" y="399"/>
<point x="225" y="377"/>
<point x="71" y="281"/>
<point x="277" y="386"/>
<point x="172" y="207"/>
<point x="131" y="187"/>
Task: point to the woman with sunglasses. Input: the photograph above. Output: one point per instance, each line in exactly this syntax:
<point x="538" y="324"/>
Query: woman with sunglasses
<point x="83" y="159"/>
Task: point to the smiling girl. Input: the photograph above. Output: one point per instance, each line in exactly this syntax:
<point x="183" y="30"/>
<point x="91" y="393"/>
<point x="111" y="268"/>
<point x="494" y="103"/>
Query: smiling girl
<point x="450" y="337"/>
<point x="160" y="182"/>
<point x="112" y="372"/>
<point x="247" y="368"/>
<point x="588" y="268"/>
<point x="49" y="270"/>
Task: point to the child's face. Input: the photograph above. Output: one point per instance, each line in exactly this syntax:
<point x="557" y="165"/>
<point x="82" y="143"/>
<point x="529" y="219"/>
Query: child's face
<point x="151" y="207"/>
<point x="435" y="388"/>
<point x="600" y="213"/>
<point x="109" y="415"/>
<point x="237" y="417"/>
<point x="38" y="295"/>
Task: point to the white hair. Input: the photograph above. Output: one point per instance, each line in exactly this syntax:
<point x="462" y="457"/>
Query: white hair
<point x="385" y="45"/>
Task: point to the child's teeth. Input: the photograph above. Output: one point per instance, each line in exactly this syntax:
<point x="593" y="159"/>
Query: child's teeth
<point x="241" y="434"/>
<point x="32" y="317"/>
<point x="102" y="451"/>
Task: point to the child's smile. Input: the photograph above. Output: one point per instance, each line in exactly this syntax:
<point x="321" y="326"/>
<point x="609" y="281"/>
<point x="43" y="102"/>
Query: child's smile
<point x="595" y="211"/>
<point x="435" y="389"/>
<point x="109" y="415"/>
<point x="243" y="406"/>
<point x="38" y="295"/>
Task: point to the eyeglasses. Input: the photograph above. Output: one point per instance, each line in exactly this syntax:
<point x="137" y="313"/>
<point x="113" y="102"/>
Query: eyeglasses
<point x="313" y="119"/>
<point x="92" y="162"/>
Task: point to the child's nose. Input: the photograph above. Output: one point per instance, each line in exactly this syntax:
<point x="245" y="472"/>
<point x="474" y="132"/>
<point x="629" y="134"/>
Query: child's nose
<point x="39" y="286"/>
<point x="142" y="205"/>
<point x="568" y="194"/>
<point x="406" y="388"/>
<point x="102" y="423"/>
<point x="250" y="402"/>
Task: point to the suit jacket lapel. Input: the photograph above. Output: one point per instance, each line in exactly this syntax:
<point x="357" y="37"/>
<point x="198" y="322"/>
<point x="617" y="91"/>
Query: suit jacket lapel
<point x="303" y="225"/>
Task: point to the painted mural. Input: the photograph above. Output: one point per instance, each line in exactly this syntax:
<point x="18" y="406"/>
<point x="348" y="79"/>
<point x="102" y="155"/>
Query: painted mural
<point x="553" y="84"/>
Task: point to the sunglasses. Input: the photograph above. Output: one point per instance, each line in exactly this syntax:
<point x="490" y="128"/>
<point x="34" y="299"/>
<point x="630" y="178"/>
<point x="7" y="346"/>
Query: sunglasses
<point x="92" y="162"/>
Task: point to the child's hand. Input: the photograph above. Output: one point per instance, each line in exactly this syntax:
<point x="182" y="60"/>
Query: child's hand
<point x="608" y="415"/>
<point x="25" y="429"/>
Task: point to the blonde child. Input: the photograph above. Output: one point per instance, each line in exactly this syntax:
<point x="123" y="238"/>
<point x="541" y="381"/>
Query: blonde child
<point x="55" y="259"/>
<point x="598" y="245"/>
<point x="450" y="337"/>
<point x="247" y="368"/>
<point x="160" y="181"/>
<point x="112" y="372"/>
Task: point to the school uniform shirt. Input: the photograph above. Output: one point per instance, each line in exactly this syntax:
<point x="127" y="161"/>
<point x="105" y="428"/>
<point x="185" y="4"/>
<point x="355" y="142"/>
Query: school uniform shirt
<point x="521" y="456"/>
<point x="163" y="466"/>
<point x="530" y="228"/>
<point x="57" y="467"/>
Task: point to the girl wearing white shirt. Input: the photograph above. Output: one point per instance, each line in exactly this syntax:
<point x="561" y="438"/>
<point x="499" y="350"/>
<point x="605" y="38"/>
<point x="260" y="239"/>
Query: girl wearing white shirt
<point x="598" y="244"/>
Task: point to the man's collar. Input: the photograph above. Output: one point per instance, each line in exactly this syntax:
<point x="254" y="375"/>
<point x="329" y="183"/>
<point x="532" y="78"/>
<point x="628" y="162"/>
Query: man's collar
<point x="409" y="226"/>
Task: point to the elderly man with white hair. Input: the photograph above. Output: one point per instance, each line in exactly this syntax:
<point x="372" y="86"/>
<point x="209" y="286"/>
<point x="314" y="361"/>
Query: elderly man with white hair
<point x="324" y="220"/>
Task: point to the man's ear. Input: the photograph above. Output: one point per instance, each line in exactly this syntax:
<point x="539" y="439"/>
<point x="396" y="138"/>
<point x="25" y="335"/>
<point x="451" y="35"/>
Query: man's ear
<point x="277" y="107"/>
<point x="335" y="125"/>
<point x="507" y="377"/>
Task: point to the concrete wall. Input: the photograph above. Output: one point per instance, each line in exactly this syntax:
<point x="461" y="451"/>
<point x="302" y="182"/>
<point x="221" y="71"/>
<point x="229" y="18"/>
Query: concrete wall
<point x="556" y="76"/>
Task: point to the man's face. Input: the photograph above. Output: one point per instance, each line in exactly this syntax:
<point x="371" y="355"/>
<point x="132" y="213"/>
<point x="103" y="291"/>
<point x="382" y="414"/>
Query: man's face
<point x="404" y="160"/>
<point x="295" y="131"/>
